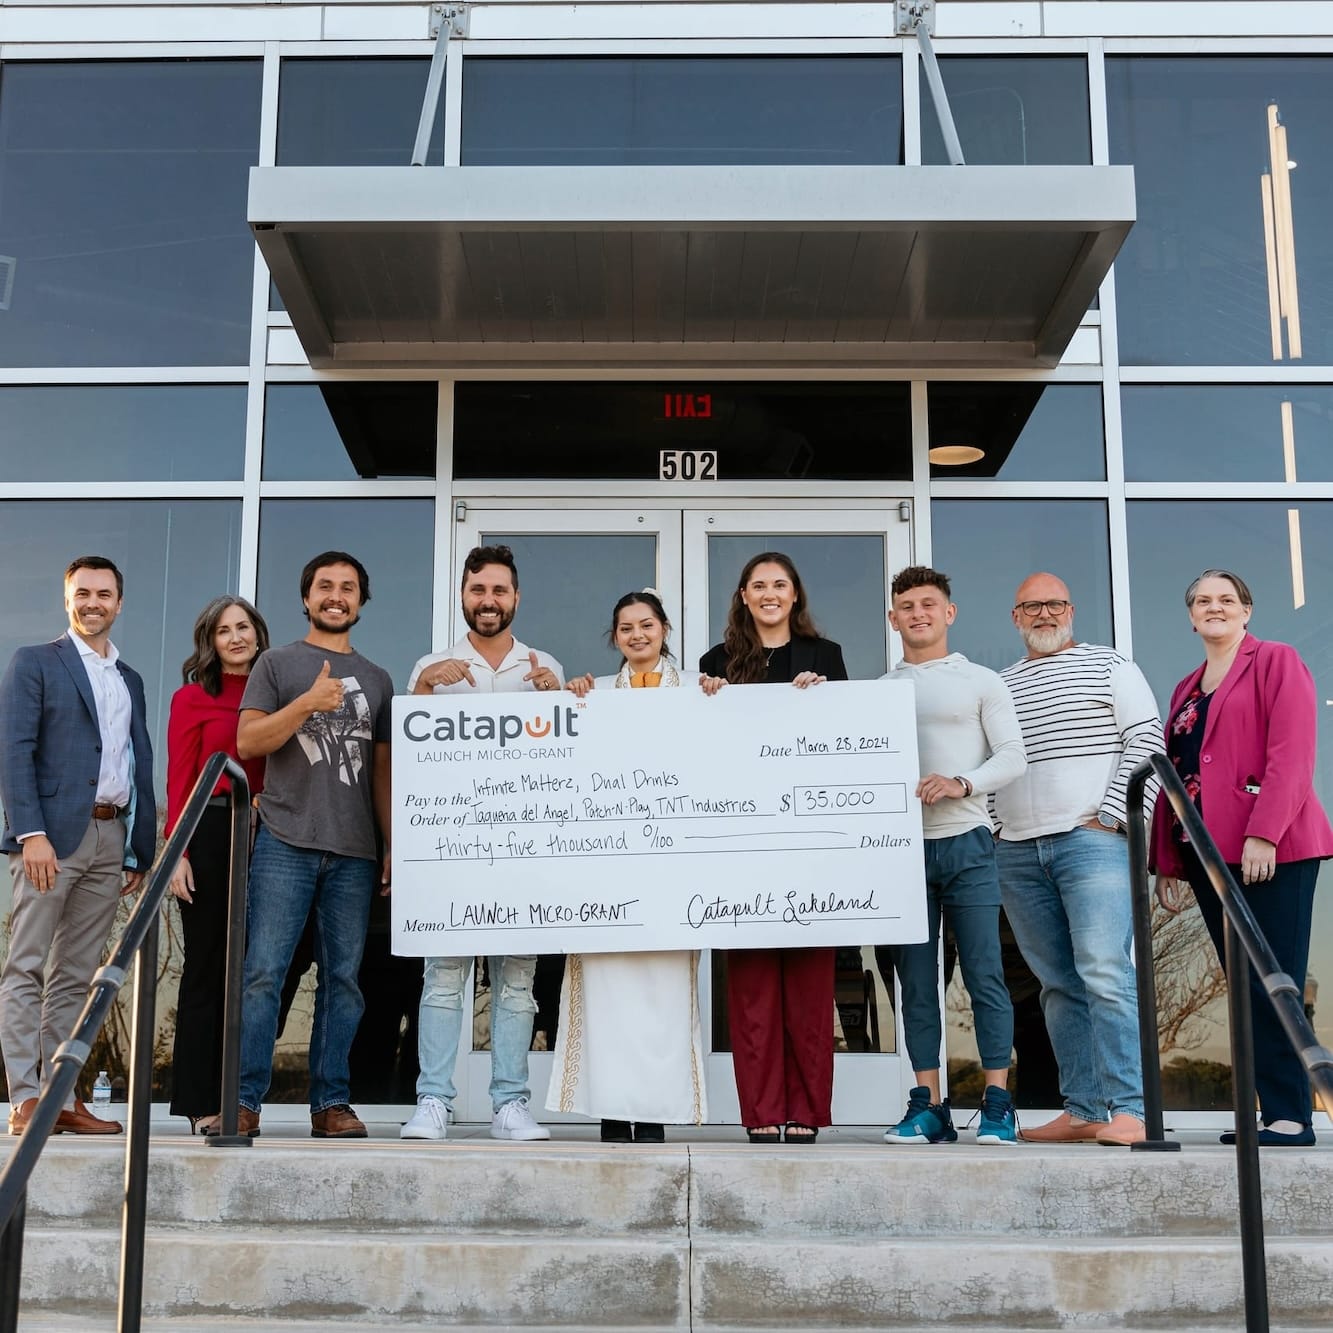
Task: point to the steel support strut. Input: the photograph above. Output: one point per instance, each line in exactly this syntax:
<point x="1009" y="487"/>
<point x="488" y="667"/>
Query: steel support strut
<point x="914" y="18"/>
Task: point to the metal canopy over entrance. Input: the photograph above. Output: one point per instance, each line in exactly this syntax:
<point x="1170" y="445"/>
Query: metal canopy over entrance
<point x="727" y="266"/>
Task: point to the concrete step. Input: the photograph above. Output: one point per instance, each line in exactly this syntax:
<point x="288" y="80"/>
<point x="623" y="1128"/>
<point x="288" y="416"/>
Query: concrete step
<point x="658" y="1284"/>
<point x="472" y="1234"/>
<point x="239" y="1324"/>
<point x="582" y="1189"/>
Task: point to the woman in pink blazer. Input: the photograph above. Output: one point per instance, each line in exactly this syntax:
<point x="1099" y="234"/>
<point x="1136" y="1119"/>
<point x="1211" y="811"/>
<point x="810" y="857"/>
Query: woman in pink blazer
<point x="1241" y="734"/>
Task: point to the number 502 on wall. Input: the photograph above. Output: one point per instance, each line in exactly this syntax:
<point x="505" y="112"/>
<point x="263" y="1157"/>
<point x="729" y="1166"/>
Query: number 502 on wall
<point x="687" y="465"/>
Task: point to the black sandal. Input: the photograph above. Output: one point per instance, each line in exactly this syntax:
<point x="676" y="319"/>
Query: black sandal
<point x="811" y="1132"/>
<point x="765" y="1134"/>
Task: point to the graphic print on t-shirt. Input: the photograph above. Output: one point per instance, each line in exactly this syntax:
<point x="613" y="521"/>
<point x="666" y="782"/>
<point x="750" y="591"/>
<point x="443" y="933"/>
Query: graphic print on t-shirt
<point x="333" y="738"/>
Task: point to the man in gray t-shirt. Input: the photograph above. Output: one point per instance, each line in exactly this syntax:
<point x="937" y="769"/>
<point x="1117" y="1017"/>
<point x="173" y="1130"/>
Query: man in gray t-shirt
<point x="317" y="786"/>
<point x="320" y="712"/>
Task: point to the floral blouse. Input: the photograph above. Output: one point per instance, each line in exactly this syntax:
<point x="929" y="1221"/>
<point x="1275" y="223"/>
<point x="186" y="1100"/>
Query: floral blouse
<point x="1184" y="742"/>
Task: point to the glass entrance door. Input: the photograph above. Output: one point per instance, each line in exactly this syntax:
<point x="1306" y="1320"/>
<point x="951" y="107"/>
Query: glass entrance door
<point x="573" y="566"/>
<point x="846" y="558"/>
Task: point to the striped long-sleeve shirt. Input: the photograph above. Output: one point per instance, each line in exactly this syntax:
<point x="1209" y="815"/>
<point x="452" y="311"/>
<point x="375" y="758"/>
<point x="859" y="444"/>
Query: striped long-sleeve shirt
<point x="1088" y="719"/>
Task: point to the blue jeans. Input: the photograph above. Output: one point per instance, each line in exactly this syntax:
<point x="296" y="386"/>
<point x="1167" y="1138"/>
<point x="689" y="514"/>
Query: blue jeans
<point x="440" y="1026"/>
<point x="285" y="882"/>
<point x="1067" y="898"/>
<point x="962" y="884"/>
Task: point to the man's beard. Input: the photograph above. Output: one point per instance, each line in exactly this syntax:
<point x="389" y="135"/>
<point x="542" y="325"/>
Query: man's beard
<point x="317" y="622"/>
<point x="1048" y="640"/>
<point x="498" y="628"/>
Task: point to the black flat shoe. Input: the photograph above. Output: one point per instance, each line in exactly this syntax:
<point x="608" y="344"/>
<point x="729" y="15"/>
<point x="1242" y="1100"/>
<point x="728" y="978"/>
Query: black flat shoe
<point x="765" y="1134"/>
<point x="1273" y="1138"/>
<point x="616" y="1131"/>
<point x="805" y="1134"/>
<point x="646" y="1131"/>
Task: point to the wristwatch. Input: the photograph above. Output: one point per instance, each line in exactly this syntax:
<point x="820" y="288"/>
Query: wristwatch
<point x="965" y="785"/>
<point x="1109" y="821"/>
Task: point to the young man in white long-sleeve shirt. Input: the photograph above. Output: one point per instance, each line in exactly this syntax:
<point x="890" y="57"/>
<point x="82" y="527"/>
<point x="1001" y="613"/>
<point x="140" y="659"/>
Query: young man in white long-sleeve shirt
<point x="970" y="745"/>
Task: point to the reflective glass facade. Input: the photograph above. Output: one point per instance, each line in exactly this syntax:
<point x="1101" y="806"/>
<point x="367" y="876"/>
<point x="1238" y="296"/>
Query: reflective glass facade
<point x="154" y="407"/>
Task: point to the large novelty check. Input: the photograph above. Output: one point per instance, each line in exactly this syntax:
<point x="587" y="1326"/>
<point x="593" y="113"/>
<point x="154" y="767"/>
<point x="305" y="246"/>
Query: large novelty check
<point x="656" y="819"/>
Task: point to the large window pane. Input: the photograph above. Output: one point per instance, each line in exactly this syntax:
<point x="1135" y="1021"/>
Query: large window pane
<point x="988" y="547"/>
<point x="1221" y="268"/>
<point x="673" y="109"/>
<point x="782" y="432"/>
<point x="1227" y="432"/>
<point x="1022" y="432"/>
<point x="1012" y="110"/>
<point x="353" y="112"/>
<point x="134" y="432"/>
<point x="175" y="555"/>
<point x="342" y="432"/>
<point x="123" y="238"/>
<point x="1289" y="568"/>
<point x="393" y="539"/>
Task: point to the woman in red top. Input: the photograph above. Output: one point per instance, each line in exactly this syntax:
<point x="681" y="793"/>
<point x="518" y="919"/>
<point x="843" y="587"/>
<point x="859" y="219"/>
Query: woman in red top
<point x="205" y="711"/>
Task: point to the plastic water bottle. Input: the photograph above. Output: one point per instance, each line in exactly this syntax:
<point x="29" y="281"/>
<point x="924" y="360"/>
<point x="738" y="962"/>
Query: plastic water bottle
<point x="101" y="1093"/>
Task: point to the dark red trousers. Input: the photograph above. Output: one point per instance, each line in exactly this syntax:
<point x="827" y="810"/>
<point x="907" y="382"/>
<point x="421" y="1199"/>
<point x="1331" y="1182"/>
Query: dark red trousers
<point x="781" y="1008"/>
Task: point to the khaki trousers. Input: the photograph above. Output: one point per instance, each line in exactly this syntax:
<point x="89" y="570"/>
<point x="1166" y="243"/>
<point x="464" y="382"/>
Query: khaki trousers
<point x="56" y="941"/>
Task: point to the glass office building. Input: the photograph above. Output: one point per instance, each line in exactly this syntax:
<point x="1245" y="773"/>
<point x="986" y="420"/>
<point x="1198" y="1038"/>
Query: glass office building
<point x="790" y="323"/>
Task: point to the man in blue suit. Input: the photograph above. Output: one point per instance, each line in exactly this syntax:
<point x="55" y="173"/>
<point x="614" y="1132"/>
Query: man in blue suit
<point x="76" y="780"/>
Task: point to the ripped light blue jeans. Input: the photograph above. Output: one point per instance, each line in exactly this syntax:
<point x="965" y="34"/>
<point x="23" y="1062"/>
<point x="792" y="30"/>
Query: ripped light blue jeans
<point x="440" y="1027"/>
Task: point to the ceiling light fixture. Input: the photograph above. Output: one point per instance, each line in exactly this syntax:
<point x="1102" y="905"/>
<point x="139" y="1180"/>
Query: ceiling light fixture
<point x="955" y="455"/>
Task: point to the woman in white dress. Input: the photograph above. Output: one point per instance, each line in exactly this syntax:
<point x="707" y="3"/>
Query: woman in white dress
<point x="630" y="1045"/>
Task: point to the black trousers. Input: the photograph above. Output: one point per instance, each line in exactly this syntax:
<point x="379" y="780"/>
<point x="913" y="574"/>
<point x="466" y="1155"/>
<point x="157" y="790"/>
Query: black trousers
<point x="196" y="1079"/>
<point x="1284" y="910"/>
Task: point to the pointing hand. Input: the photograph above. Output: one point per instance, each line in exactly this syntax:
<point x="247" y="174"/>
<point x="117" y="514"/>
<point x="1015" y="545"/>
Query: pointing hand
<point x="448" y="672"/>
<point x="542" y="678"/>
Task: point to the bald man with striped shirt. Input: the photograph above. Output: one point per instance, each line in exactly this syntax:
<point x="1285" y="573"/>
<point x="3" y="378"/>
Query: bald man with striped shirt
<point x="1088" y="719"/>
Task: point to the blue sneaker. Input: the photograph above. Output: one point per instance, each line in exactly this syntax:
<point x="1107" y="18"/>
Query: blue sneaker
<point x="998" y="1124"/>
<point x="923" y="1122"/>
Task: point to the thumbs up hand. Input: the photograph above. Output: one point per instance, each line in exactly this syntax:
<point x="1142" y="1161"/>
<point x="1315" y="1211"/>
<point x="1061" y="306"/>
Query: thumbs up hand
<point x="326" y="694"/>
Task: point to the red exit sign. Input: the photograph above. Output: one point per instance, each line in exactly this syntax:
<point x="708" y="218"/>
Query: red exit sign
<point x="679" y="405"/>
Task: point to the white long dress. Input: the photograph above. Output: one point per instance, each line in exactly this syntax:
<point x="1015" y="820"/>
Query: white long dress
<point x="630" y="1044"/>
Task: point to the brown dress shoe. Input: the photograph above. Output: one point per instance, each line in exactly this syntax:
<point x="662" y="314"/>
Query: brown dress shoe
<point x="81" y="1120"/>
<point x="20" y="1115"/>
<point x="1065" y="1128"/>
<point x="247" y="1123"/>
<point x="336" y="1122"/>
<point x="1124" y="1130"/>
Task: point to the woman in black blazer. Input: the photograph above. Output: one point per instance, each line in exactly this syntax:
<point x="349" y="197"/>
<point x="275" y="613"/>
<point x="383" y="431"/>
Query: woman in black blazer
<point x="780" y="1000"/>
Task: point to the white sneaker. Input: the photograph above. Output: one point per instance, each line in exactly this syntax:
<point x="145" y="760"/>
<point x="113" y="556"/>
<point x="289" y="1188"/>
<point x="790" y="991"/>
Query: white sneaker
<point x="514" y="1121"/>
<point x="429" y="1121"/>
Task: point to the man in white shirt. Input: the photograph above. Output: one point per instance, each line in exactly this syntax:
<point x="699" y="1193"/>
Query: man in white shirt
<point x="76" y="779"/>
<point x="1089" y="719"/>
<point x="486" y="660"/>
<point x="969" y="745"/>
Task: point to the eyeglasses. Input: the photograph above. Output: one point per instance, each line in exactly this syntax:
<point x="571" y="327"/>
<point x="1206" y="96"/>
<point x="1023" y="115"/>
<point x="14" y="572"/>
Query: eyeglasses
<point x="1057" y="606"/>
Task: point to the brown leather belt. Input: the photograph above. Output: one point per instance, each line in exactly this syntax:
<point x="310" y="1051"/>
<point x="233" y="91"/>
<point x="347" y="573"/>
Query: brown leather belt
<point x="105" y="810"/>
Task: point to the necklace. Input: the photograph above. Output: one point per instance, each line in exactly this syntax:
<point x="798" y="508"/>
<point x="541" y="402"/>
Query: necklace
<point x="768" y="661"/>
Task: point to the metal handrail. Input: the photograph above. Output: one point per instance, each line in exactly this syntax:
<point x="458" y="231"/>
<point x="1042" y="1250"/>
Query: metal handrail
<point x="138" y="941"/>
<point x="1244" y="946"/>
